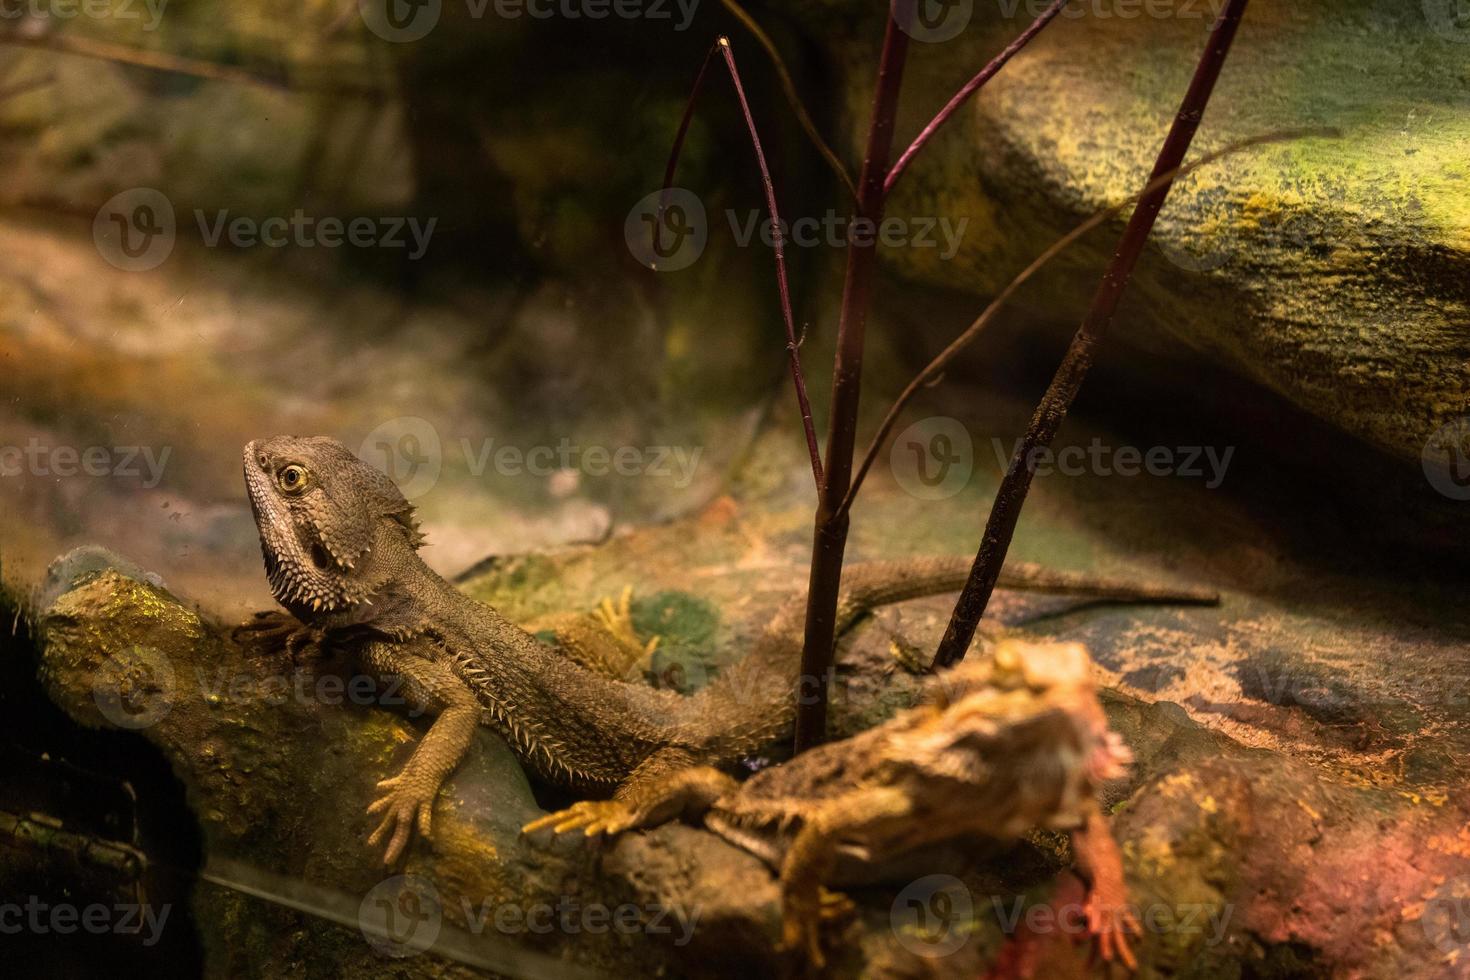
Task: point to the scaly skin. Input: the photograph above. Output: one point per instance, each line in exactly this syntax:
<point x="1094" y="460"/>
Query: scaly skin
<point x="341" y="551"/>
<point x="1004" y="745"/>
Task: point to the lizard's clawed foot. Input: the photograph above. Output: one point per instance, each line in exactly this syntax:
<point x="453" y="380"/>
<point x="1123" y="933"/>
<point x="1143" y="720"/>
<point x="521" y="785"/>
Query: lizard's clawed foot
<point x="617" y="619"/>
<point x="276" y="629"/>
<point x="404" y="804"/>
<point x="1110" y="923"/>
<point x="801" y="926"/>
<point x="592" y="817"/>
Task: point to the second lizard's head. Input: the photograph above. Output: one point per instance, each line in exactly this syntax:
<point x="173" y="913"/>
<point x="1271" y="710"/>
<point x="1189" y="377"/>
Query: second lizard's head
<point x="322" y="513"/>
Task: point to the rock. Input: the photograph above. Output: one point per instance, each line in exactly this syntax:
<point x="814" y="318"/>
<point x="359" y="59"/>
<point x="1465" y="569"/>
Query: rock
<point x="279" y="761"/>
<point x="1333" y="271"/>
<point x="1299" y="859"/>
<point x="321" y="115"/>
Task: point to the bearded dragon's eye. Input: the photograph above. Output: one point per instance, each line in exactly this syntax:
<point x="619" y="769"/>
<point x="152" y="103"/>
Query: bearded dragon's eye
<point x="292" y="478"/>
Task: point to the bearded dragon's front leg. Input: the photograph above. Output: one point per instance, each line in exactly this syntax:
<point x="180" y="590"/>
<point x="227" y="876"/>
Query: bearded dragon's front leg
<point x="813" y="852"/>
<point x="425" y="686"/>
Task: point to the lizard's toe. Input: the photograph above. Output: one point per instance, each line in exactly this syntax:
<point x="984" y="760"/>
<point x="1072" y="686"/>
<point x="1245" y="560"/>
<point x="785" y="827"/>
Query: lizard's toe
<point x="1110" y="926"/>
<point x="403" y="806"/>
<point x="592" y="817"/>
<point x="801" y="932"/>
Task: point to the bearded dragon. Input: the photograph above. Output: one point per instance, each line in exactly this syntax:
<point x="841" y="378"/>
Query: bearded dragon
<point x="340" y="545"/>
<point x="1003" y="745"/>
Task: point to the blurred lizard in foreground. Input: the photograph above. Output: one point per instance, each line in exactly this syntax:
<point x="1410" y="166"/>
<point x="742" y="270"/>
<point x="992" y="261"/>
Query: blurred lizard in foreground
<point x="1005" y="744"/>
<point x="341" y="551"/>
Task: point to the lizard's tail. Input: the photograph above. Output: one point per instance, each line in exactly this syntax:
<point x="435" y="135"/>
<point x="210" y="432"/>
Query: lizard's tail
<point x="753" y="703"/>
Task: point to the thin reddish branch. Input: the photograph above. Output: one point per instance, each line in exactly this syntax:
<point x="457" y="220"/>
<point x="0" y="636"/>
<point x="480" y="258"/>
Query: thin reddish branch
<point x="798" y="378"/>
<point x="788" y="86"/>
<point x="930" y="375"/>
<point x="1000" y="527"/>
<point x="829" y="535"/>
<point x="970" y="88"/>
<point x="777" y="245"/>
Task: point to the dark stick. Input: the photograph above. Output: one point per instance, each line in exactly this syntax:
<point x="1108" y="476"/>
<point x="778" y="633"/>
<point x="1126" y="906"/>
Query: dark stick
<point x="1001" y="525"/>
<point x="829" y="538"/>
<point x="798" y="378"/>
<point x="969" y="89"/>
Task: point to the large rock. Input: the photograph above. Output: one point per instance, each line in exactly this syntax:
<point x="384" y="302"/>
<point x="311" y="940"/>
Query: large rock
<point x="1317" y="828"/>
<point x="1334" y="271"/>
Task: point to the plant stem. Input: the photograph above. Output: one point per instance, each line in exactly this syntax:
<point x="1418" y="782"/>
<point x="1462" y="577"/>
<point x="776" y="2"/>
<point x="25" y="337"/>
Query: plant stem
<point x="798" y="378"/>
<point x="788" y="86"/>
<point x="969" y="89"/>
<point x="1001" y="525"/>
<point x="829" y="539"/>
<point x="933" y="371"/>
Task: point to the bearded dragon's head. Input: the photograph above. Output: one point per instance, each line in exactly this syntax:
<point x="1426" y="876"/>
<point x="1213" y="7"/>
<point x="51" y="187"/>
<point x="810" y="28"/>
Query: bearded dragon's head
<point x="322" y="514"/>
<point x="1032" y="708"/>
